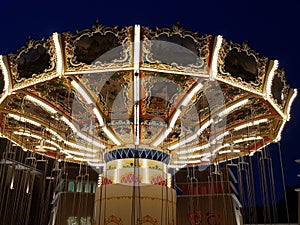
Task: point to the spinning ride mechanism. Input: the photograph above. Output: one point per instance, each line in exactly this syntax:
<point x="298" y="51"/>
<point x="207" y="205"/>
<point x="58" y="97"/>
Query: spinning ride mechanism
<point x="144" y="108"/>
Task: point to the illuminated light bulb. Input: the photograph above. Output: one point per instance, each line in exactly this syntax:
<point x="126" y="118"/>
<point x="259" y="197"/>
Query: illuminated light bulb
<point x="12" y="182"/>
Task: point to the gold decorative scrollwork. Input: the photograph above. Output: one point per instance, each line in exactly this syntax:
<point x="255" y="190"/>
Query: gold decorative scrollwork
<point x="29" y="54"/>
<point x="122" y="42"/>
<point x="261" y="66"/>
<point x="147" y="219"/>
<point x="113" y="219"/>
<point x="200" y="47"/>
<point x="280" y="75"/>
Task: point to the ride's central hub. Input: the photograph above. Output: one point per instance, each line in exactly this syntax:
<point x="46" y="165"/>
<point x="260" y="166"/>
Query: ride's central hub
<point x="135" y="181"/>
<point x="191" y="99"/>
<point x="136" y="166"/>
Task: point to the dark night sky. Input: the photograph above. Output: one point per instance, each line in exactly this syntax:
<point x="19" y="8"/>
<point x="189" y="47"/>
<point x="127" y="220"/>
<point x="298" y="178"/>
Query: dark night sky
<point x="271" y="27"/>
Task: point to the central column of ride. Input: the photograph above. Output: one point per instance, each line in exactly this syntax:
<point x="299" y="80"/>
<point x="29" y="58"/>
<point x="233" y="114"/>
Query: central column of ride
<point x="135" y="188"/>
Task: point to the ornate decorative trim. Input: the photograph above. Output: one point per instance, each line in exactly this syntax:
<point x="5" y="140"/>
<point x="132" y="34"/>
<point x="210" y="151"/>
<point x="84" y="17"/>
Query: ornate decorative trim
<point x="124" y="39"/>
<point x="261" y="64"/>
<point x="113" y="219"/>
<point x="147" y="219"/>
<point x="202" y="45"/>
<point x="280" y="74"/>
<point x="142" y="198"/>
<point x="33" y="45"/>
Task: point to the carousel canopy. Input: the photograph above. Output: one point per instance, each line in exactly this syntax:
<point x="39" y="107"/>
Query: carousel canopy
<point x="101" y="93"/>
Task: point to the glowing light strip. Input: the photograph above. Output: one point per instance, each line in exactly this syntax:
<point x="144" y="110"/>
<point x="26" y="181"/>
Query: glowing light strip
<point x="247" y="139"/>
<point x="111" y="136"/>
<point x="41" y="104"/>
<point x="219" y="137"/>
<point x="80" y="147"/>
<point x="96" y="164"/>
<point x="7" y="82"/>
<point x="27" y="134"/>
<point x="82" y="92"/>
<point x="93" y="160"/>
<point x="84" y="154"/>
<point x="233" y="107"/>
<point x="58" y="51"/>
<point x="219" y="148"/>
<point x="90" y="140"/>
<point x="162" y="137"/>
<point x="191" y="94"/>
<point x="188" y="162"/>
<point x="215" y="57"/>
<point x="81" y="135"/>
<point x="99" y="117"/>
<point x="45" y="147"/>
<point x="208" y="122"/>
<point x="136" y="124"/>
<point x="5" y="74"/>
<point x="185" y="141"/>
<point x="23" y="119"/>
<point x="3" y="97"/>
<point x="53" y="143"/>
<point x="54" y="133"/>
<point x="193" y="137"/>
<point x="174" y="118"/>
<point x="191" y="150"/>
<point x="85" y="159"/>
<point x="69" y="123"/>
<point x="136" y="55"/>
<point x="204" y="126"/>
<point x="169" y="180"/>
<point x="229" y="151"/>
<point x="203" y="154"/>
<point x="289" y="104"/>
<point x="176" y="166"/>
<point x="278" y="138"/>
<point x="193" y="156"/>
<point x="271" y="77"/>
<point x="254" y="123"/>
<point x="278" y="110"/>
<point x="136" y="81"/>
